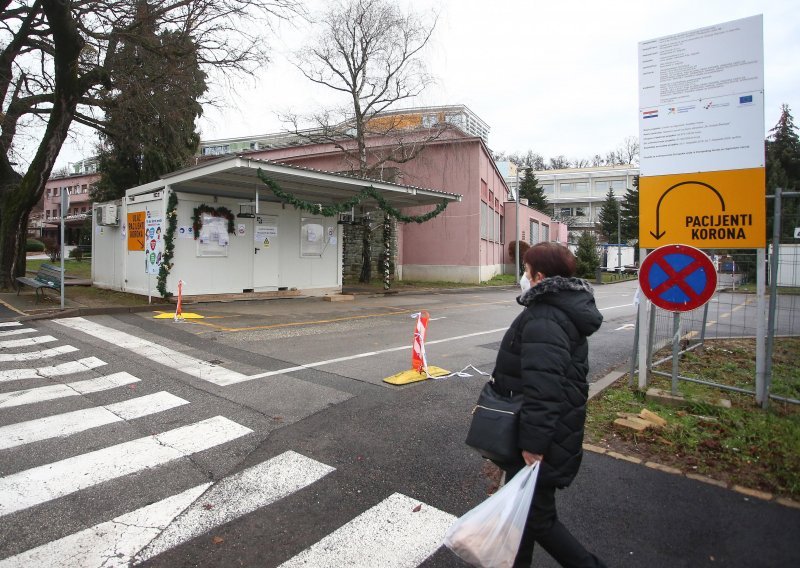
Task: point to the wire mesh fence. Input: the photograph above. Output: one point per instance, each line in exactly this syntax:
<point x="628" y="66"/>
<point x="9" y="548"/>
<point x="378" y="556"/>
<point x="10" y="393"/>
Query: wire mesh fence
<point x="735" y="312"/>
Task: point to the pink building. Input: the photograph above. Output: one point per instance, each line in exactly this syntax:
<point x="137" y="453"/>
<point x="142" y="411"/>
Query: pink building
<point x="468" y="242"/>
<point x="48" y="223"/>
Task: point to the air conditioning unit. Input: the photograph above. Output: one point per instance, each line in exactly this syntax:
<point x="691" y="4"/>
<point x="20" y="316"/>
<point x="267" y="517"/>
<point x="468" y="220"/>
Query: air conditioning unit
<point x="107" y="214"/>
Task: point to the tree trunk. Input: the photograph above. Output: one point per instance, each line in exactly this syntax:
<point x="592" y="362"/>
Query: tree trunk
<point x="13" y="230"/>
<point x="366" y="264"/>
<point x="19" y="196"/>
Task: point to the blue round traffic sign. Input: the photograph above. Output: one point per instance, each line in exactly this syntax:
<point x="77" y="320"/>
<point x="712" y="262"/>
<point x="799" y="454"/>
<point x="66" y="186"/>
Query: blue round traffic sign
<point x="678" y="278"/>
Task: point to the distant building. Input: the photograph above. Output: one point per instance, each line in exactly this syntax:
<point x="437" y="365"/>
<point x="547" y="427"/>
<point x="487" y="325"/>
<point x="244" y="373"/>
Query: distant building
<point x="577" y="194"/>
<point x="458" y="116"/>
<point x="45" y="219"/>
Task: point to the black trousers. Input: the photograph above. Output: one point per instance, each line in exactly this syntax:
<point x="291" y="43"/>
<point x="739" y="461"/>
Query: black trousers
<point x="544" y="527"/>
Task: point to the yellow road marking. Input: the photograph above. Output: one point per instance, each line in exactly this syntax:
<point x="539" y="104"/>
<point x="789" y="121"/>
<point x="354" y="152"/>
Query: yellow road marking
<point x="399" y="311"/>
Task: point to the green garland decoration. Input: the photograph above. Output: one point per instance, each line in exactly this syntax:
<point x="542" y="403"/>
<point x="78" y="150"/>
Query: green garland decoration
<point x="387" y="250"/>
<point x="197" y="217"/>
<point x="169" y="246"/>
<point x="336" y="208"/>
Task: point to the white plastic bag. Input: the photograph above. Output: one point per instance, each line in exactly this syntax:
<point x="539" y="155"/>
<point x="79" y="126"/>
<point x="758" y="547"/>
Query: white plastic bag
<point x="488" y="536"/>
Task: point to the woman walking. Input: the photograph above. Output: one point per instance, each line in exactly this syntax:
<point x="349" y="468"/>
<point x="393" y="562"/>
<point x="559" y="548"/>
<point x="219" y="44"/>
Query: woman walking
<point x="544" y="355"/>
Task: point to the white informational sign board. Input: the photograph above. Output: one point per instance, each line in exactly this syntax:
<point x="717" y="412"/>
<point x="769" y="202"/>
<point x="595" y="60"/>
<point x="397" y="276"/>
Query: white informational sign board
<point x="701" y="99"/>
<point x="213" y="238"/>
<point x="312" y="236"/>
<point x="153" y="244"/>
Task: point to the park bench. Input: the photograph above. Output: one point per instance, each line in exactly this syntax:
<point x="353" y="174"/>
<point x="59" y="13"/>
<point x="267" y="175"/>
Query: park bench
<point x="48" y="276"/>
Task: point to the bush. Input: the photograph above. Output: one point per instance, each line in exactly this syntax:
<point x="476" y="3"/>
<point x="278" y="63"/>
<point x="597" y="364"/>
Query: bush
<point x="76" y="253"/>
<point x="512" y="252"/>
<point x="34" y="245"/>
<point x="587" y="257"/>
<point x="52" y="249"/>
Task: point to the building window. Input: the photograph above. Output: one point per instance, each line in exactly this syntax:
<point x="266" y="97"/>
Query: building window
<point x="534" y="232"/>
<point x="582" y="188"/>
<point x="602" y="187"/>
<point x="566" y="187"/>
<point x="215" y="150"/>
<point x="580" y="211"/>
<point x="545" y="233"/>
<point x="502" y="229"/>
<point x="565" y="212"/>
<point x="484" y="219"/>
<point x="547" y="188"/>
<point x="498" y="226"/>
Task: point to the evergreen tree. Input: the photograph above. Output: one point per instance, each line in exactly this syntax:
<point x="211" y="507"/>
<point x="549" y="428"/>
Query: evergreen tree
<point x="151" y="117"/>
<point x="587" y="256"/>
<point x="530" y="189"/>
<point x="629" y="209"/>
<point x="608" y="217"/>
<point x="783" y="170"/>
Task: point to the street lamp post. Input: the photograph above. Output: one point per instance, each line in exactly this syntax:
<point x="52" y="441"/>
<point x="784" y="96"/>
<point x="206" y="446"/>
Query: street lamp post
<point x="619" y="241"/>
<point x="516" y="228"/>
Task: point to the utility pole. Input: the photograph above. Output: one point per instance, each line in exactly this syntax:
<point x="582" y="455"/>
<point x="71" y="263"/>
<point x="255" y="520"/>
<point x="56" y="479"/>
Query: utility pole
<point x="619" y="240"/>
<point x="516" y="228"/>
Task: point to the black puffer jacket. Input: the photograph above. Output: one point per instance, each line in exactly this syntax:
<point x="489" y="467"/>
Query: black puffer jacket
<point x="544" y="354"/>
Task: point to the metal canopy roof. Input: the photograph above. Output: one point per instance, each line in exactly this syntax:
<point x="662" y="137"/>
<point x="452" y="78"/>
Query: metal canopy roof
<point x="236" y="177"/>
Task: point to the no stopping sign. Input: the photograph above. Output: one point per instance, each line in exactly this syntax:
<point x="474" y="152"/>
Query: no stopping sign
<point x="678" y="278"/>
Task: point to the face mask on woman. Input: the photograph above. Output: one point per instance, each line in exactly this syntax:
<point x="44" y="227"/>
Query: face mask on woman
<point x="524" y="283"/>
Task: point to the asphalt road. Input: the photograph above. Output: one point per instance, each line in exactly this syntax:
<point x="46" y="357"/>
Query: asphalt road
<point x="270" y="439"/>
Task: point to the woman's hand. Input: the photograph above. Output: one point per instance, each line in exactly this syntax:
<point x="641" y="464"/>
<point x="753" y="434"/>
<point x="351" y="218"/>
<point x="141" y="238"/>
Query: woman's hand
<point x="530" y="458"/>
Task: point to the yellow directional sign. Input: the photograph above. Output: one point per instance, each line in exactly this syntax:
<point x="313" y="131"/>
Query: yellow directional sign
<point x="724" y="209"/>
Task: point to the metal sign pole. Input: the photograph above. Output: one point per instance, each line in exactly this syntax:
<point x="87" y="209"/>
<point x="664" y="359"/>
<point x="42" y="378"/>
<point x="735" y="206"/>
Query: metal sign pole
<point x="644" y="331"/>
<point x="761" y="307"/>
<point x="676" y="350"/>
<point x="64" y="208"/>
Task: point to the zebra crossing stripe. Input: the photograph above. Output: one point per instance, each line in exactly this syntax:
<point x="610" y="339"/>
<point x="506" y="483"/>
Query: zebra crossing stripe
<point x="16" y="331"/>
<point x="137" y="536"/>
<point x="67" y="368"/>
<point x="32" y="355"/>
<point x="110" y="544"/>
<point x="63" y="425"/>
<point x="239" y="495"/>
<point x="38" y="485"/>
<point x="164" y="355"/>
<point x="52" y="392"/>
<point x="10" y="324"/>
<point x="27" y="342"/>
<point x="398" y="532"/>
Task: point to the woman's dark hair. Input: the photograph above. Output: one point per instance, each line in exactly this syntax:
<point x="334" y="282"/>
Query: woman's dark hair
<point x="551" y="259"/>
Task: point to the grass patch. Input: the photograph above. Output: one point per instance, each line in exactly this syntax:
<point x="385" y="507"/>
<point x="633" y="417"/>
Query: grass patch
<point x="611" y="277"/>
<point x="99" y="297"/>
<point x="750" y="287"/>
<point x="743" y="444"/>
<point x="72" y="268"/>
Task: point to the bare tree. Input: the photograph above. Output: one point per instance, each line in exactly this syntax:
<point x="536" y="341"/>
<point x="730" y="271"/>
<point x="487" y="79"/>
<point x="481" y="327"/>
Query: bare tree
<point x="560" y="162"/>
<point x="581" y="163"/>
<point x="628" y="151"/>
<point x="54" y="72"/>
<point x="370" y="52"/>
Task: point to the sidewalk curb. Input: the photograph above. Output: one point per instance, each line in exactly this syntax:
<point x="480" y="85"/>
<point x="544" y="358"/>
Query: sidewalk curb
<point x="84" y="311"/>
<point x="747" y="492"/>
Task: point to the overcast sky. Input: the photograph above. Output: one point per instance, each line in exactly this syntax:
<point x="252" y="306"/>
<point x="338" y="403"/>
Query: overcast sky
<point x="553" y="76"/>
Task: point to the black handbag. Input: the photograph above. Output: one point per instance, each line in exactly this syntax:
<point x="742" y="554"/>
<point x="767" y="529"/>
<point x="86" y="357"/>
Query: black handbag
<point x="494" y="428"/>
